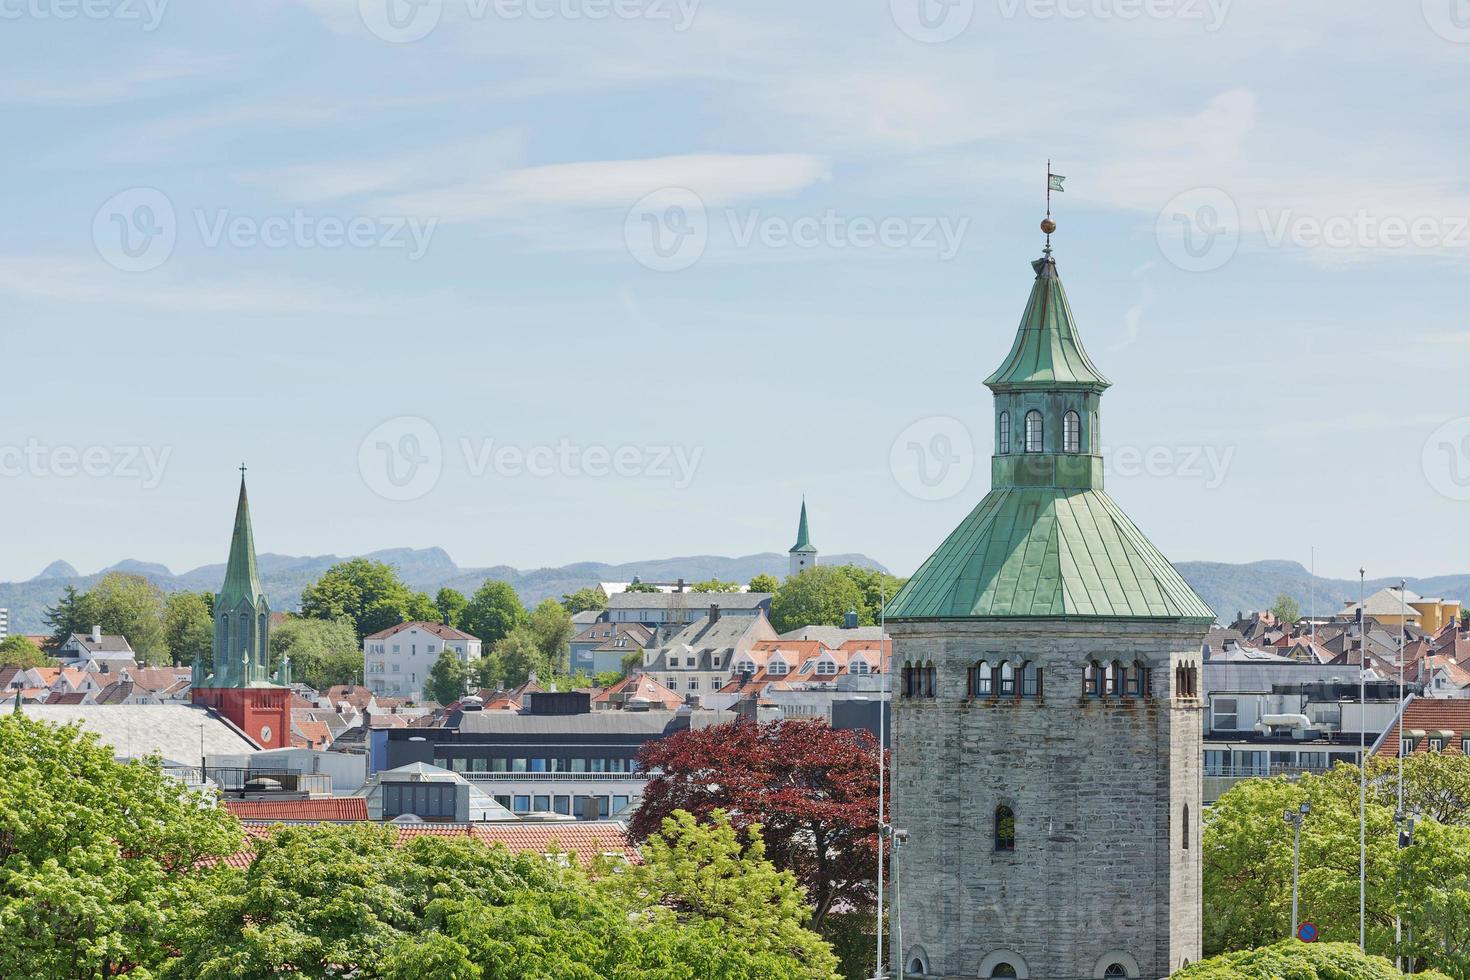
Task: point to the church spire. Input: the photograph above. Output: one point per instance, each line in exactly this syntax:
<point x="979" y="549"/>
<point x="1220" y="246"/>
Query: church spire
<point x="242" y="578"/>
<point x="802" y="554"/>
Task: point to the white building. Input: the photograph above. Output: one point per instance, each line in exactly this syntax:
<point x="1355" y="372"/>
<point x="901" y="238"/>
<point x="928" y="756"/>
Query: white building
<point x="397" y="660"/>
<point x="4" y="623"/>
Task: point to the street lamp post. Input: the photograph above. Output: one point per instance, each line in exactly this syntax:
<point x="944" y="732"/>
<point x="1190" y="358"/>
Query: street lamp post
<point x="1295" y="818"/>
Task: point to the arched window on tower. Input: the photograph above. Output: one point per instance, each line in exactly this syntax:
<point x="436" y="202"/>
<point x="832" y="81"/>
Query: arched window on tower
<point x="1003" y="439"/>
<point x="1138" y="680"/>
<point x="1118" y="679"/>
<point x="1092" y="680"/>
<point x="1007" y="680"/>
<point x="1030" y="680"/>
<point x="1003" y="970"/>
<point x="1005" y="828"/>
<point x="980" y="686"/>
<point x="1071" y="433"/>
<point x="1033" y="431"/>
<point x="1185" y="829"/>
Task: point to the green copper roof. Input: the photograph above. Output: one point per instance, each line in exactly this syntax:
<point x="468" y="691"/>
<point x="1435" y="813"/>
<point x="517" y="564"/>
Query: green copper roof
<point x="242" y="580"/>
<point x="1047" y="352"/>
<point x="803" y="538"/>
<point x="1047" y="552"/>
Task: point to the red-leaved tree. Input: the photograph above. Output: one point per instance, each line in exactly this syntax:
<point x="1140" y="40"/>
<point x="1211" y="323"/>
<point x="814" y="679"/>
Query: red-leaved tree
<point x="812" y="788"/>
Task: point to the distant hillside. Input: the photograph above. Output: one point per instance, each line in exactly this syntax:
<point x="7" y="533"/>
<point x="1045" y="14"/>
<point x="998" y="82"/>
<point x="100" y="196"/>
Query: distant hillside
<point x="429" y="569"/>
<point x="1244" y="588"/>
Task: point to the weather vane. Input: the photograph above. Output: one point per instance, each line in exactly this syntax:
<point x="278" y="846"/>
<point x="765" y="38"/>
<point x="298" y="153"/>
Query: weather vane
<point x="1053" y="183"/>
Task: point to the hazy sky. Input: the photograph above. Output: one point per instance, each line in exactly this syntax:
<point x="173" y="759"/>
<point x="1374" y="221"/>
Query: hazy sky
<point x="552" y="280"/>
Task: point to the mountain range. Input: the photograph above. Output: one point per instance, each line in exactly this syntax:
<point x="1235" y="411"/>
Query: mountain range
<point x="1228" y="588"/>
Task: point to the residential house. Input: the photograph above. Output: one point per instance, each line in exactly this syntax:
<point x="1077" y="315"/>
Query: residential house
<point x="1428" y="725"/>
<point x="676" y="609"/>
<point x="94" y="645"/>
<point x="701" y="657"/>
<point x="397" y="660"/>
<point x="601" y="647"/>
<point x="1394" y="606"/>
<point x="637" y="692"/>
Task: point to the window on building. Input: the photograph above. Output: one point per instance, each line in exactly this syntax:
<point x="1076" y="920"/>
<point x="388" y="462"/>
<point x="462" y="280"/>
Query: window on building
<point x="1030" y="680"/>
<point x="1116" y="970"/>
<point x="1003" y="439"/>
<point x="1117" y="679"/>
<point x="1092" y="680"/>
<point x="1071" y="433"/>
<point x="1003" y="970"/>
<point x="979" y="681"/>
<point x="1226" y="714"/>
<point x="694" y="683"/>
<point x="1034" y="439"/>
<point x="1436" y="744"/>
<point x="777" y="668"/>
<point x="826" y="667"/>
<point x="1005" y="830"/>
<point x="1138" y="680"/>
<point x="1007" y="679"/>
<point x="918" y="680"/>
<point x="1184" y="834"/>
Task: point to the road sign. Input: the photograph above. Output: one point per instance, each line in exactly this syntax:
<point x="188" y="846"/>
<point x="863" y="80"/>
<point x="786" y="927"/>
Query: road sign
<point x="1307" y="932"/>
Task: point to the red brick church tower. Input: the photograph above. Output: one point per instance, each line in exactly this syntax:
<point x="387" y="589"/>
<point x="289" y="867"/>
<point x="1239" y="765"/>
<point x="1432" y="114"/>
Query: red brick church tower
<point x="241" y="687"/>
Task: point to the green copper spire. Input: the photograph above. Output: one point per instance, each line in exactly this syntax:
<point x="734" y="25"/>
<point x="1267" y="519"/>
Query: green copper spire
<point x="803" y="537"/>
<point x="1047" y="542"/>
<point x="241" y="612"/>
<point x="242" y="579"/>
<point x="1047" y="353"/>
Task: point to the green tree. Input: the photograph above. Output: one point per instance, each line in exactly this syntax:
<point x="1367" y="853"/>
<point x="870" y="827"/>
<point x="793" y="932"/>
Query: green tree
<point x="74" y="612"/>
<point x="820" y="595"/>
<point x="514" y="658"/>
<point x="1285" y="608"/>
<point x="493" y="612"/>
<point x="552" y="626"/>
<point x="714" y="873"/>
<point x="714" y="585"/>
<point x="447" y="678"/>
<point x="875" y="587"/>
<point x="132" y="606"/>
<point x="188" y="628"/>
<point x="19" y="651"/>
<point x="764" y="583"/>
<point x="367" y="592"/>
<point x="101" y="860"/>
<point x="323" y="652"/>
<point x="450" y="603"/>
<point x="636" y="586"/>
<point x="1297" y="961"/>
<point x="583" y="600"/>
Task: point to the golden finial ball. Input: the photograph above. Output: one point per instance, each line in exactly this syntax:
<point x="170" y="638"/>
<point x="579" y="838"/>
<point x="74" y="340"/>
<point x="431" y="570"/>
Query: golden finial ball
<point x="1048" y="225"/>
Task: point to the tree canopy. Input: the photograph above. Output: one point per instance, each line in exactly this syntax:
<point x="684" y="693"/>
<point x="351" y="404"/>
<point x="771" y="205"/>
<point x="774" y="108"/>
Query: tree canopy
<point x="323" y="652"/>
<point x="20" y="651"/>
<point x="447" y="678"/>
<point x="1285" y="608"/>
<point x="1291" y="959"/>
<point x="583" y="600"/>
<point x="188" y="626"/>
<point x="100" y="861"/>
<point x="493" y="612"/>
<point x="764" y="583"/>
<point x="368" y="593"/>
<point x="813" y="789"/>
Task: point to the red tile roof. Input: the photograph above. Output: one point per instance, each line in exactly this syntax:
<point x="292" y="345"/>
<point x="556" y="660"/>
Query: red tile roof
<point x="336" y="808"/>
<point x="438" y="629"/>
<point x="587" y="840"/>
<point x="311" y="734"/>
<point x="639" y="686"/>
<point x="1429" y="715"/>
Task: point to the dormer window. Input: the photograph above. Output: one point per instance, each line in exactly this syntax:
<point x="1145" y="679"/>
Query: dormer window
<point x="777" y="668"/>
<point x="1033" y="431"/>
<point x="1003" y="441"/>
<point x="1071" y="433"/>
<point x="826" y="667"/>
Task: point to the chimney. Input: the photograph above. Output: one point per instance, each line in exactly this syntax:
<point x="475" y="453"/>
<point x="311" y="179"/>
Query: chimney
<point x="714" y="613"/>
<point x="96" y="634"/>
<point x="680" y="586"/>
<point x="850" y="621"/>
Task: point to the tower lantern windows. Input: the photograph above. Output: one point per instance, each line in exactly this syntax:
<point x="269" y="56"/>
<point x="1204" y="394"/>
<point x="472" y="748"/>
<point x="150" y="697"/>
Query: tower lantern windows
<point x="1003" y="437"/>
<point x="1034" y="432"/>
<point x="1071" y="433"/>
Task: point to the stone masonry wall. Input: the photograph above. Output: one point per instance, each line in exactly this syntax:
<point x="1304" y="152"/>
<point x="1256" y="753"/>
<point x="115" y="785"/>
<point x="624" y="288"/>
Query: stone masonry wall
<point x="1099" y="788"/>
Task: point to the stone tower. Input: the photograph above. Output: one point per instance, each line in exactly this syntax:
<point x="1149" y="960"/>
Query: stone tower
<point x="802" y="554"/>
<point x="1047" y="724"/>
<point x="241" y="686"/>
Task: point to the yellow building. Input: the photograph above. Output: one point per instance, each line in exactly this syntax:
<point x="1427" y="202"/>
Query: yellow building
<point x="1391" y="608"/>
